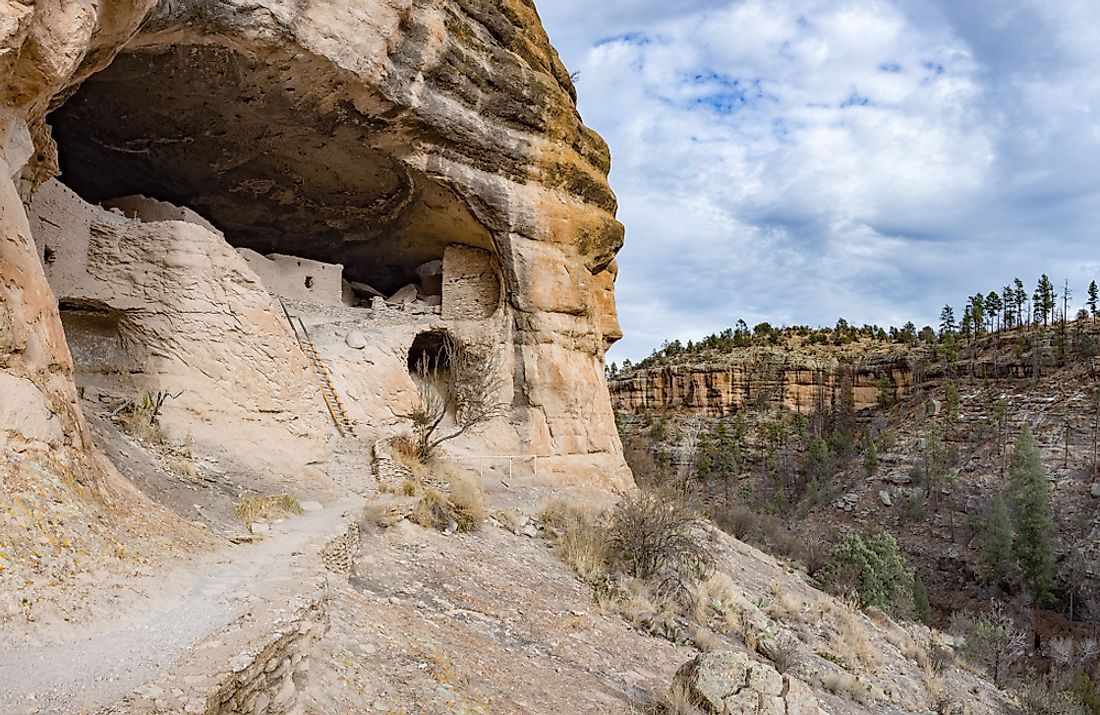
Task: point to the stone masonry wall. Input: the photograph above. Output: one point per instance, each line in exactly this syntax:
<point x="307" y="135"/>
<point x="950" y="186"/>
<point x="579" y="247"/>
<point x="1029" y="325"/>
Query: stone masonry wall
<point x="471" y="288"/>
<point x="298" y="278"/>
<point x="259" y="666"/>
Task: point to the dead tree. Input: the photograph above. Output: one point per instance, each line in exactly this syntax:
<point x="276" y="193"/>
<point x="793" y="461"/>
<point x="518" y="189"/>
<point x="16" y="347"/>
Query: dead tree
<point x="458" y="382"/>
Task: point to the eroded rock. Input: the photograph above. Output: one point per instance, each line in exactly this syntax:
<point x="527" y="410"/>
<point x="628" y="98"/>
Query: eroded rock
<point x="729" y="683"/>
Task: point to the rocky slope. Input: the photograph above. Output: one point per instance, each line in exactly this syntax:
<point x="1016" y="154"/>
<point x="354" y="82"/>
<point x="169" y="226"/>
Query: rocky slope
<point x="938" y="524"/>
<point x="400" y="171"/>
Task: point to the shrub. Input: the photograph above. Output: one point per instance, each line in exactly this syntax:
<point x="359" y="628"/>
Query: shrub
<point x="254" y="509"/>
<point x="467" y="497"/>
<point x="871" y="568"/>
<point x="655" y="537"/>
<point x="580" y="537"/>
<point x="991" y="640"/>
<point x="784" y="653"/>
<point x="920" y="602"/>
<point x="436" y="510"/>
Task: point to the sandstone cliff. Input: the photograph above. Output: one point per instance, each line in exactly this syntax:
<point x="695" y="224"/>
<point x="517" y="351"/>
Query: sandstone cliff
<point x="369" y="135"/>
<point x="755" y="378"/>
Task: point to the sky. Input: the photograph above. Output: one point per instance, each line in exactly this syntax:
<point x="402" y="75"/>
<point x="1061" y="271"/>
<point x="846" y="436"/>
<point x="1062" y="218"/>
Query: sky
<point x="798" y="161"/>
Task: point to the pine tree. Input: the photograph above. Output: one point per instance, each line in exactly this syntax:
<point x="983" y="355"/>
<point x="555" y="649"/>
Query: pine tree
<point x="870" y="458"/>
<point x="1044" y="299"/>
<point x="977" y="313"/>
<point x="947" y="321"/>
<point x="1008" y="303"/>
<point x="993" y="306"/>
<point x="1094" y="301"/>
<point x="997" y="541"/>
<point x="920" y="601"/>
<point x="1020" y="299"/>
<point x="1031" y="492"/>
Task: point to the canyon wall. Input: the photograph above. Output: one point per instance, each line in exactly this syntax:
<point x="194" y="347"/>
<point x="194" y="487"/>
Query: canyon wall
<point x="760" y="377"/>
<point x="370" y="135"/>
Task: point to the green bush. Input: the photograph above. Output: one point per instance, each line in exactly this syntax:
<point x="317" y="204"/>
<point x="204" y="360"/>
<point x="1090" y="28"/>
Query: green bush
<point x="871" y="568"/>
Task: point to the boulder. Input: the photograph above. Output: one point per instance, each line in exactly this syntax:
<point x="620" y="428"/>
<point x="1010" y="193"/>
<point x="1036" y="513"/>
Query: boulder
<point x="431" y="277"/>
<point x="884" y="497"/>
<point x="408" y="294"/>
<point x="729" y="683"/>
<point x="1096" y="490"/>
<point x="356" y="340"/>
<point x="366" y="291"/>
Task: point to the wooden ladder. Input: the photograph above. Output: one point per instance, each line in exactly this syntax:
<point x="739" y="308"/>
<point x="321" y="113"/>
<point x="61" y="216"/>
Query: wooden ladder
<point x="336" y="410"/>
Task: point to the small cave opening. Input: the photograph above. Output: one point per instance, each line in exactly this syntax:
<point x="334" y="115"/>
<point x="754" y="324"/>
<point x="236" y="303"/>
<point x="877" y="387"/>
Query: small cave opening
<point x="273" y="152"/>
<point x="429" y="354"/>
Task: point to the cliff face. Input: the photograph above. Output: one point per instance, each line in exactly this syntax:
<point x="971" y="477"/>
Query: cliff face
<point x="370" y="135"/>
<point x="758" y="378"/>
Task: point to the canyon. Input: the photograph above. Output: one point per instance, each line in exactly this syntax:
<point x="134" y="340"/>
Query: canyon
<point x="231" y="233"/>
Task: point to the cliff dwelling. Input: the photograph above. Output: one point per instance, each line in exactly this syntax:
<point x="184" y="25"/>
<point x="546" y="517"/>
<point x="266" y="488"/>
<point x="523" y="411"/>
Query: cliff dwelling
<point x="189" y="172"/>
<point x="320" y="208"/>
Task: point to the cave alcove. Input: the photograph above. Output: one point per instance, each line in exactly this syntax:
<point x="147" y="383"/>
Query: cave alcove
<point x="265" y="154"/>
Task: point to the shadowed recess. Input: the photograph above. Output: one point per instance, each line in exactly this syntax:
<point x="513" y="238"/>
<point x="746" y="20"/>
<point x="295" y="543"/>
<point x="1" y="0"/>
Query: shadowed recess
<point x="280" y="163"/>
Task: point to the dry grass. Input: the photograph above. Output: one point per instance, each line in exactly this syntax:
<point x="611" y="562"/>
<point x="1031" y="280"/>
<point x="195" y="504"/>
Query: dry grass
<point x="141" y="423"/>
<point x="580" y="536"/>
<point x="677" y="701"/>
<point x="255" y="509"/>
<point x="183" y="467"/>
<point x="705" y="639"/>
<point x="511" y="519"/>
<point x="436" y="510"/>
<point x="375" y="515"/>
<point x="785" y="606"/>
<point x="636" y="603"/>
<point x="851" y="639"/>
<point x="845" y="685"/>
<point x="714" y="599"/>
<point x="784" y="652"/>
<point x="467" y="496"/>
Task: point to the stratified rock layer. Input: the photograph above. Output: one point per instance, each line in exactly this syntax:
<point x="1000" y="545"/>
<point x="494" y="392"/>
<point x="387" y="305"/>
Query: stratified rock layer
<point x="756" y="377"/>
<point x="368" y="134"/>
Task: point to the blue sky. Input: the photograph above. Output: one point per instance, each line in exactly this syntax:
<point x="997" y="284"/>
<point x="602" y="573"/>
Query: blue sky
<point x="796" y="161"/>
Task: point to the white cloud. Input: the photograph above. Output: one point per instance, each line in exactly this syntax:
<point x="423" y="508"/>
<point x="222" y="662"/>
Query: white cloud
<point x="797" y="161"/>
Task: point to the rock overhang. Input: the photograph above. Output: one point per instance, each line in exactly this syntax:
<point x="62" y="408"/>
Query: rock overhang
<point x="280" y="162"/>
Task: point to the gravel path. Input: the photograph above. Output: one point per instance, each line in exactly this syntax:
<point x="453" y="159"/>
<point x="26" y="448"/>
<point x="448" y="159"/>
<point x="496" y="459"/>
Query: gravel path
<point x="85" y="674"/>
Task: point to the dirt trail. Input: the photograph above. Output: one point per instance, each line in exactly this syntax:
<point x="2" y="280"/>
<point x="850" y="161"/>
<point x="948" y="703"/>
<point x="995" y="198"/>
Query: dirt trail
<point x="87" y="672"/>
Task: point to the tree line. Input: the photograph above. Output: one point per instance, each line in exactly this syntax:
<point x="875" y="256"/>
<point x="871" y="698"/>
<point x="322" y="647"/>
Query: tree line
<point x="983" y="313"/>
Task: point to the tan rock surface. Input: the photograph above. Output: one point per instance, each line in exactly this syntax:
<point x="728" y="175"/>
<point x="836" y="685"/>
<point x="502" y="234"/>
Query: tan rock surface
<point x="729" y="683"/>
<point x="449" y="123"/>
<point x="762" y="375"/>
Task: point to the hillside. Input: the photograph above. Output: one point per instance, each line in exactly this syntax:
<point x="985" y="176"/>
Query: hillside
<point x="303" y="313"/>
<point x="793" y="444"/>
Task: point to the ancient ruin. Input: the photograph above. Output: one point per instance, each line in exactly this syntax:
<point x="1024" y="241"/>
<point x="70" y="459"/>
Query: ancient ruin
<point x="173" y="134"/>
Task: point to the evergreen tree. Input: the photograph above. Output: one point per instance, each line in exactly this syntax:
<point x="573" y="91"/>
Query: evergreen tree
<point x="1020" y="300"/>
<point x="947" y="321"/>
<point x="952" y="409"/>
<point x="993" y="306"/>
<point x="1008" y="303"/>
<point x="1094" y="301"/>
<point x="703" y="457"/>
<point x="977" y="314"/>
<point x="1031" y="492"/>
<point x="887" y="393"/>
<point x="1044" y="300"/>
<point x="920" y="601"/>
<point x="997" y="541"/>
<point x="870" y="458"/>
